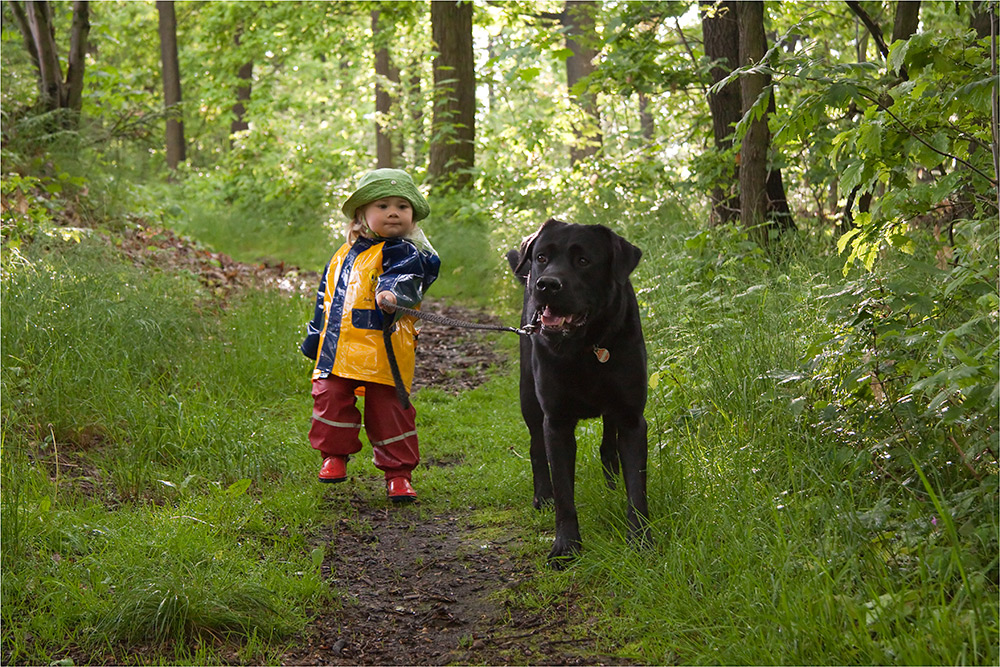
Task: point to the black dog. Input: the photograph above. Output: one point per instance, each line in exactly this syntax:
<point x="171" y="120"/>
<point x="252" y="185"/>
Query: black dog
<point x="587" y="358"/>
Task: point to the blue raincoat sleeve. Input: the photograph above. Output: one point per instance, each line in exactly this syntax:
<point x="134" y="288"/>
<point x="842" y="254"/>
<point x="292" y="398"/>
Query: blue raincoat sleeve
<point x="310" y="346"/>
<point x="407" y="272"/>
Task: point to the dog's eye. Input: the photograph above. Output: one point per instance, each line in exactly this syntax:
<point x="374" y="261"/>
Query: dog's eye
<point x="541" y="259"/>
<point x="582" y="261"/>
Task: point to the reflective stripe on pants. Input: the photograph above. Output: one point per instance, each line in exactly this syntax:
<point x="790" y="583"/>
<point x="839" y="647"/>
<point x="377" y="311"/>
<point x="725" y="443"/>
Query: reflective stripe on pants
<point x="337" y="423"/>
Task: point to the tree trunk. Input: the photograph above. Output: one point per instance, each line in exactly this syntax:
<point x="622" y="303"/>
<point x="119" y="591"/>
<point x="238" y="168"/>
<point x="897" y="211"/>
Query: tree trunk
<point x="21" y="18"/>
<point x="646" y="122"/>
<point x="386" y="150"/>
<point x="417" y="138"/>
<point x="243" y="91"/>
<point x="721" y="36"/>
<point x="907" y="19"/>
<point x="73" y="90"/>
<point x="981" y="18"/>
<point x="753" y="151"/>
<point x="171" y="83"/>
<point x="581" y="39"/>
<point x="50" y="87"/>
<point x="34" y="19"/>
<point x="778" y="211"/>
<point x="453" y="128"/>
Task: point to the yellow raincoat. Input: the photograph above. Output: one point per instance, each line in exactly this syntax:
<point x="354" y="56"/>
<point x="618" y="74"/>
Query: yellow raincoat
<point x="345" y="334"/>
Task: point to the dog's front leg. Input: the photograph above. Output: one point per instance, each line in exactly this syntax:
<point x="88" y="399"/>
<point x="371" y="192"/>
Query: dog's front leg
<point x="534" y="418"/>
<point x="632" y="449"/>
<point x="560" y="445"/>
<point x="609" y="452"/>
<point x="541" y="479"/>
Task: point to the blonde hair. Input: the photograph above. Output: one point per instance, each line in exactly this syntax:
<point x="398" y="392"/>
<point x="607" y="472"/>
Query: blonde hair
<point x="357" y="227"/>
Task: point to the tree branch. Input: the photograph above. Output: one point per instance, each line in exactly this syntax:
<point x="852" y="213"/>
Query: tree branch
<point x="21" y="18"/>
<point x="912" y="133"/>
<point x="873" y="28"/>
<point x="77" y="55"/>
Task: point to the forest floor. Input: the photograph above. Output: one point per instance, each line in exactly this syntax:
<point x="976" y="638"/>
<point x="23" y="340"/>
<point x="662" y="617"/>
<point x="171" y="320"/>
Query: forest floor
<point x="411" y="587"/>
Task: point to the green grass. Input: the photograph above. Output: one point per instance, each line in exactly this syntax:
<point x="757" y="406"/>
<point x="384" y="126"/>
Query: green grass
<point x="145" y="435"/>
<point x="153" y="448"/>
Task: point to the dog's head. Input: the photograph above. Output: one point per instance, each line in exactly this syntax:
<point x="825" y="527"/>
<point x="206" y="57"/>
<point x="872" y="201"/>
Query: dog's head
<point x="571" y="273"/>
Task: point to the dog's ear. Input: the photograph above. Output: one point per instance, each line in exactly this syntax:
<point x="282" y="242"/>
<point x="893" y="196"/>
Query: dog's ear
<point x="624" y="258"/>
<point x="523" y="255"/>
<point x="514" y="259"/>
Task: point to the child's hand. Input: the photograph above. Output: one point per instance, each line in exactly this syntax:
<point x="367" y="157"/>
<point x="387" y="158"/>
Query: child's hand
<point x="386" y="301"/>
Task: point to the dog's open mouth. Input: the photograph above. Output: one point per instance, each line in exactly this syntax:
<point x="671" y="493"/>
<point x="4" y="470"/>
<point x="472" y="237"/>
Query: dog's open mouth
<point x="559" y="323"/>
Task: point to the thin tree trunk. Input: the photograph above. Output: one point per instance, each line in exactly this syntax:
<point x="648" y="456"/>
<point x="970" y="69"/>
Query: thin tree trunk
<point x="778" y="211"/>
<point x="39" y="18"/>
<point x="21" y="18"/>
<point x="453" y="129"/>
<point x="171" y="83"/>
<point x="417" y="140"/>
<point x="581" y="38"/>
<point x="721" y="36"/>
<point x="243" y="92"/>
<point x="383" y="101"/>
<point x="77" y="56"/>
<point x="753" y="151"/>
<point x="646" y="121"/>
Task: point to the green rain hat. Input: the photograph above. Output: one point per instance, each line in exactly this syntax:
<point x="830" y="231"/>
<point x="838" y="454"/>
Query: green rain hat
<point x="387" y="183"/>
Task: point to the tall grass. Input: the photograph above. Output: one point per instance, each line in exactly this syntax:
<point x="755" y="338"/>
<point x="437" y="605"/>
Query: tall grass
<point x="153" y="454"/>
<point x="772" y="544"/>
<point x="146" y="428"/>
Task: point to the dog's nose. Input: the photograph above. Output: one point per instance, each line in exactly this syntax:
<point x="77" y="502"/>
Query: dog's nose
<point x="549" y="284"/>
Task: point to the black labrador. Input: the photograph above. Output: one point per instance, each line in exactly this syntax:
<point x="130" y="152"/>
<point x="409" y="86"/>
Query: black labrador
<point x="587" y="358"/>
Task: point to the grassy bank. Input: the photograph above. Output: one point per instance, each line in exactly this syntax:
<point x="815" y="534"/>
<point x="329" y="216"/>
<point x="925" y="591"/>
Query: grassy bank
<point x="154" y="458"/>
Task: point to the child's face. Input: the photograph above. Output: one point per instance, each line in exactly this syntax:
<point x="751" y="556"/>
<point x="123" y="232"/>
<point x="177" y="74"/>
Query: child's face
<point x="389" y="217"/>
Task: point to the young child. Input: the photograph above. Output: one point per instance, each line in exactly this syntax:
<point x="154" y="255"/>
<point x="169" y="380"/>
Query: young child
<point x="385" y="261"/>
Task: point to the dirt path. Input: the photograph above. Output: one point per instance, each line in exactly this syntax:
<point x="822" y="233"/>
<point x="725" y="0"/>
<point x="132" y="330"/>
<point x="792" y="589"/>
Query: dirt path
<point x="410" y="587"/>
<point x="419" y="589"/>
<point x="423" y="589"/>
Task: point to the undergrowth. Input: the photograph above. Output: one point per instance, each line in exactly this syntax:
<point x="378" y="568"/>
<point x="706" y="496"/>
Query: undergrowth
<point x="823" y="478"/>
<point x="145" y="431"/>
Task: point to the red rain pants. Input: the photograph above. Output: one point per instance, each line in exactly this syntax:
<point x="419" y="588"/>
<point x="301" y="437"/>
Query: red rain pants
<point x="336" y="423"/>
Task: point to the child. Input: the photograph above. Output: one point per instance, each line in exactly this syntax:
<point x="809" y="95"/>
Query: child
<point x="379" y="266"/>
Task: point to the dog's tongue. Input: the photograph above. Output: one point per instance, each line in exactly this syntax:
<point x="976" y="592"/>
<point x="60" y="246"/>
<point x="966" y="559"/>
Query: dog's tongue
<point x="553" y="321"/>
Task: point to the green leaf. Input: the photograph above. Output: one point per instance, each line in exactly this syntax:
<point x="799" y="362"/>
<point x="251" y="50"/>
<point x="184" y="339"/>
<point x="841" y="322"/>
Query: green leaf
<point x="529" y="73"/>
<point x="238" y="488"/>
<point x="846" y="238"/>
<point x="897" y="55"/>
<point x="317" y="555"/>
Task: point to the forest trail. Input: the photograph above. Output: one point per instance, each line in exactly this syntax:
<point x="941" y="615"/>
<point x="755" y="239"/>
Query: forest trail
<point x="411" y="587"/>
<point x="417" y="589"/>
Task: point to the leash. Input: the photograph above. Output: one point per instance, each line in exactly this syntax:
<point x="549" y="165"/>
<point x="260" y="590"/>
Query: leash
<point x="462" y="324"/>
<point x="404" y="398"/>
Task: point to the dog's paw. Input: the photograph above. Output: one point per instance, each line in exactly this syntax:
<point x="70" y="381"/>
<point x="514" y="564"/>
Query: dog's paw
<point x="640" y="537"/>
<point x="563" y="553"/>
<point x="541" y="502"/>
